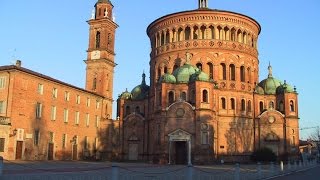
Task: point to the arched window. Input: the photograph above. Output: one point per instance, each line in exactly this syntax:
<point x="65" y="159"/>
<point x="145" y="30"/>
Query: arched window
<point x="138" y="109"/>
<point x="249" y="106"/>
<point x="94" y="84"/>
<point x="239" y="33"/>
<point x="226" y="34"/>
<point x="174" y="33"/>
<point x="167" y="37"/>
<point x="199" y="65"/>
<point x="223" y="103"/>
<point x="187" y="33"/>
<point x="291" y="106"/>
<point x="205" y="96"/>
<point x="242" y="74"/>
<point x="180" y="34"/>
<point x="243" y="105"/>
<point x="158" y="40"/>
<point x="195" y="32"/>
<point x="233" y="34"/>
<point x="244" y="37"/>
<point x="203" y="32"/>
<point x="271" y="105"/>
<point x="183" y="96"/>
<point x="210" y="67"/>
<point x="171" y="97"/>
<point x="212" y="32"/>
<point x="98" y="39"/>
<point x="233" y="104"/>
<point x="232" y="69"/>
<point x="261" y="106"/>
<point x="99" y="11"/>
<point x="128" y="110"/>
<point x="162" y="38"/>
<point x="220" y="35"/>
<point x="223" y="71"/>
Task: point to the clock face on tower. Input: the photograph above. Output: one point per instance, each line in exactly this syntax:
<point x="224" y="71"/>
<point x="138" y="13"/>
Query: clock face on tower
<point x="95" y="55"/>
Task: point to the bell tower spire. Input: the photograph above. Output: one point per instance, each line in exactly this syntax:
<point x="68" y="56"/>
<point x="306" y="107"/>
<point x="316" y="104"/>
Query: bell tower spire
<point x="101" y="53"/>
<point x="203" y="4"/>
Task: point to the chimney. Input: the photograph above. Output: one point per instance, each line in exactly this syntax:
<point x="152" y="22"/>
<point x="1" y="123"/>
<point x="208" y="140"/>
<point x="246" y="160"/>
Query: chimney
<point x="18" y="63"/>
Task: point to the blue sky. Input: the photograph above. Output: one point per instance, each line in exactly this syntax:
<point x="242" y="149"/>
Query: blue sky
<point x="51" y="37"/>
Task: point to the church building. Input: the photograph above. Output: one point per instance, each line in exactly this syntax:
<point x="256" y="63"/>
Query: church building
<point x="205" y="101"/>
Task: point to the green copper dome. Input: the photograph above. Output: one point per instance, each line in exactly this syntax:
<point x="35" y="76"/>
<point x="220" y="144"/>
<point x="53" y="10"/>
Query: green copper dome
<point x="259" y="90"/>
<point x="184" y="72"/>
<point x="168" y="78"/>
<point x="141" y="91"/>
<point x="199" y="76"/>
<point x="270" y="84"/>
<point x="126" y="95"/>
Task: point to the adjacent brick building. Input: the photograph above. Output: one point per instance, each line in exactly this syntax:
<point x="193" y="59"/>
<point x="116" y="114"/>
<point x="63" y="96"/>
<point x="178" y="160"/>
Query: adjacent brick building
<point x="205" y="101"/>
<point x="44" y="118"/>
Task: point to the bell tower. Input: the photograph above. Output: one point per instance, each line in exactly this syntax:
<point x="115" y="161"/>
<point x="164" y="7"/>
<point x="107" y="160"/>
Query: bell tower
<point x="100" y="54"/>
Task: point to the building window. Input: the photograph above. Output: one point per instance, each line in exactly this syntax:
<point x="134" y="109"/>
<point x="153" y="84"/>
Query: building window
<point x="2" y="107"/>
<point x="96" y="143"/>
<point x="78" y="99"/>
<point x="242" y="74"/>
<point x="291" y="106"/>
<point x="66" y="115"/>
<point x="97" y="121"/>
<point x="87" y="119"/>
<point x="233" y="104"/>
<point x="223" y="71"/>
<point x="204" y="133"/>
<point x="51" y="137"/>
<point x="86" y="143"/>
<point x="40" y="89"/>
<point x="38" y="110"/>
<point x="77" y="117"/>
<point x="2" y="143"/>
<point x="97" y="104"/>
<point x="36" y="137"/>
<point x="55" y="93"/>
<point x="243" y="105"/>
<point x="183" y="96"/>
<point x="171" y="97"/>
<point x="199" y="66"/>
<point x="98" y="39"/>
<point x="94" y="84"/>
<point x="66" y="96"/>
<point x="232" y="70"/>
<point x="53" y="113"/>
<point x="249" y="106"/>
<point x="271" y="105"/>
<point x="223" y="103"/>
<point x="2" y="82"/>
<point x="205" y="96"/>
<point x="187" y="32"/>
<point x="261" y="106"/>
<point x="64" y="141"/>
<point x="88" y="102"/>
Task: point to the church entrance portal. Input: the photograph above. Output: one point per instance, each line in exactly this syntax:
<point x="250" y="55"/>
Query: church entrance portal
<point x="181" y="152"/>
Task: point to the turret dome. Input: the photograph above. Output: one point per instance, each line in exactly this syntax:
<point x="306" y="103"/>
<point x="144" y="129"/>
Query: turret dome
<point x="270" y="84"/>
<point x="168" y="78"/>
<point x="125" y="95"/>
<point x="183" y="73"/>
<point x="140" y="92"/>
<point x="199" y="76"/>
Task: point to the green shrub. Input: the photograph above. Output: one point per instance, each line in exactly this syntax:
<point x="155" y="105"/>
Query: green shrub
<point x="263" y="155"/>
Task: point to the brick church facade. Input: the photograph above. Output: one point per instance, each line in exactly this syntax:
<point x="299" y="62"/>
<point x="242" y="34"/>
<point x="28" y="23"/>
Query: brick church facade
<point x="205" y="101"/>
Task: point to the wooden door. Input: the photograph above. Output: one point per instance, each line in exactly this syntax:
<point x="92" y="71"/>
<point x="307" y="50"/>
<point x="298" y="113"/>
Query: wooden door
<point x="75" y="152"/>
<point x="19" y="150"/>
<point x="50" y="151"/>
<point x="133" y="152"/>
<point x="181" y="152"/>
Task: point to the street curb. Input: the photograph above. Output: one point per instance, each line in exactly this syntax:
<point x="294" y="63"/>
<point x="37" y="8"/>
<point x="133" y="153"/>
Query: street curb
<point x="288" y="173"/>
